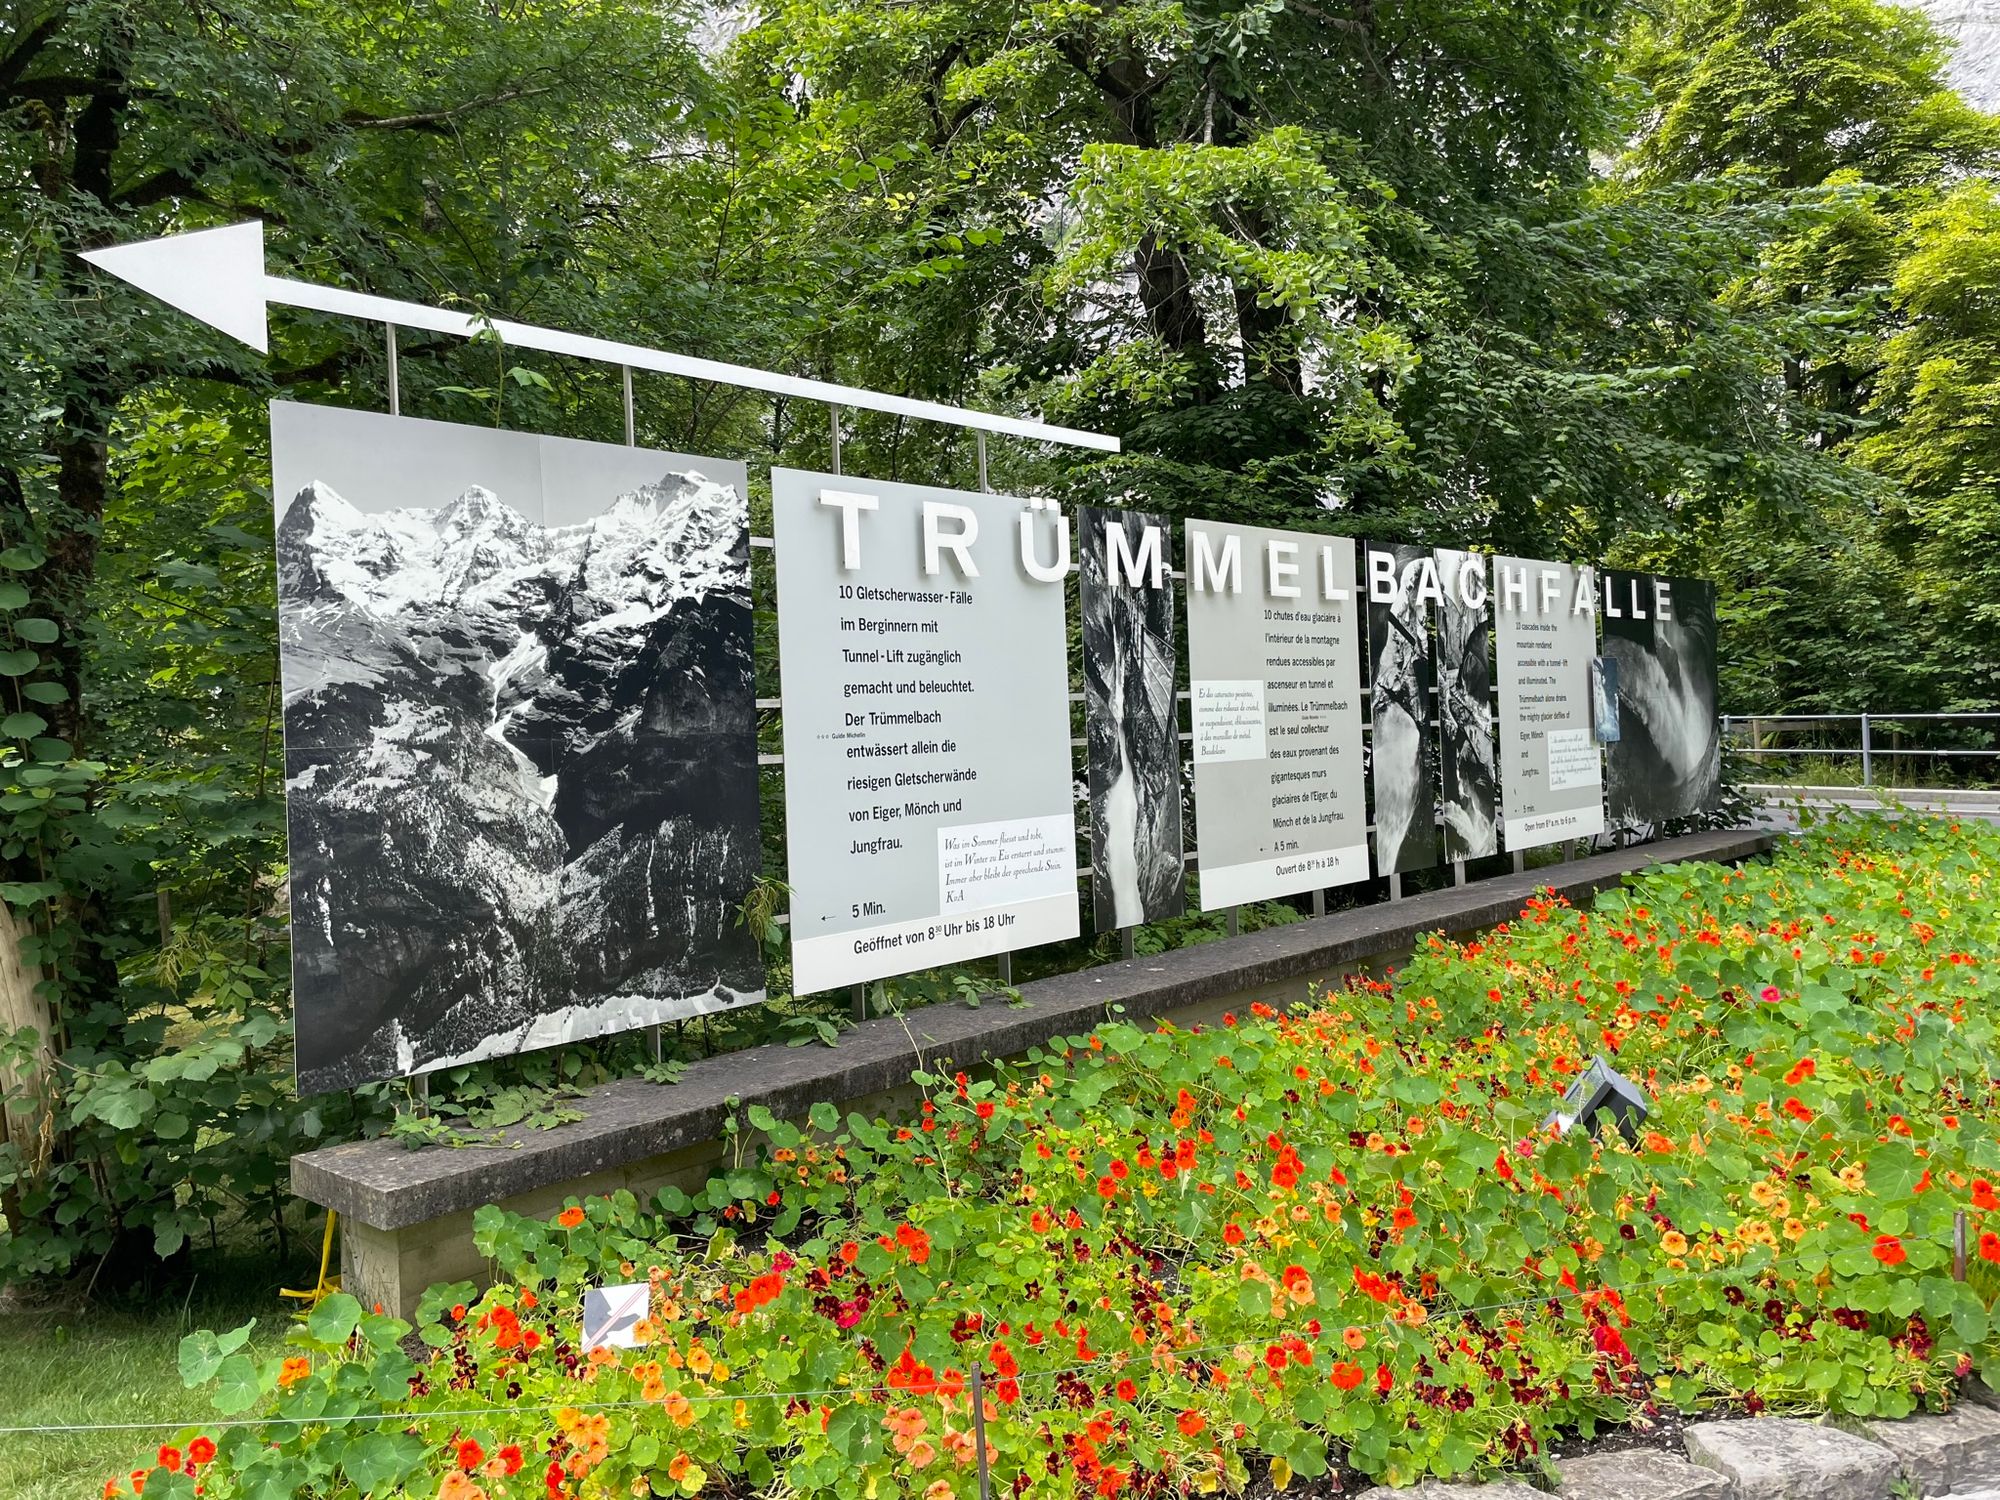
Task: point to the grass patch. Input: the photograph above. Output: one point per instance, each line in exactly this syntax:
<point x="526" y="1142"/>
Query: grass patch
<point x="62" y="1365"/>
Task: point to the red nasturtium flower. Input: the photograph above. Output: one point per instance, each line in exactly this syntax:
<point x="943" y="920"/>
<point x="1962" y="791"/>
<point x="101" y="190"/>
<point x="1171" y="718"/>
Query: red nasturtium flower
<point x="1889" y="1250"/>
<point x="1192" y="1423"/>
<point x="469" y="1455"/>
<point x="1983" y="1197"/>
<point x="1989" y="1246"/>
<point x="915" y="1241"/>
<point x="570" y="1217"/>
<point x="201" y="1450"/>
<point x="1800" y="1112"/>
<point x="511" y="1459"/>
<point x="1347" y="1376"/>
<point x="1803" y="1069"/>
<point x="169" y="1458"/>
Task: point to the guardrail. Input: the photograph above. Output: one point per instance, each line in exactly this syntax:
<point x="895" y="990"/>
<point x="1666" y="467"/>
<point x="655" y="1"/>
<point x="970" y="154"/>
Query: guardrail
<point x="1736" y="728"/>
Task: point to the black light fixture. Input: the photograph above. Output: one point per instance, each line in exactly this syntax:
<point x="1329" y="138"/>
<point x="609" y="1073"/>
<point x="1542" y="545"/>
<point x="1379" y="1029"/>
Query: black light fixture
<point x="1600" y="1089"/>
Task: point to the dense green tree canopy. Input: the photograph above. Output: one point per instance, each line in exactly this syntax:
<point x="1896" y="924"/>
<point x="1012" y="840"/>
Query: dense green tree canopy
<point x="1705" y="284"/>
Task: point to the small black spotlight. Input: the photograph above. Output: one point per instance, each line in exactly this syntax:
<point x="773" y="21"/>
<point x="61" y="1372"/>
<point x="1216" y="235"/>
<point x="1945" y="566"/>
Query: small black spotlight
<point x="1600" y="1089"/>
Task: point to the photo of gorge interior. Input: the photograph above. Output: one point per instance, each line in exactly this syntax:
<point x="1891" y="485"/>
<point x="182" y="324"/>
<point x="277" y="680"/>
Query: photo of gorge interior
<point x="1132" y="723"/>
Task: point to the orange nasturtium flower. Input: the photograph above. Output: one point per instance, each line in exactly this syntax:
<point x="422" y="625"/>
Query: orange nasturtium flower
<point x="1889" y="1250"/>
<point x="570" y="1217"/>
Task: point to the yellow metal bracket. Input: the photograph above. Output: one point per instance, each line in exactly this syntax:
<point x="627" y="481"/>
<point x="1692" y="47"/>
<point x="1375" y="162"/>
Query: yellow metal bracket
<point x="326" y="1285"/>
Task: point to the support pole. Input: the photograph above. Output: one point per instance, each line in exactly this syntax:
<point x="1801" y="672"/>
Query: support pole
<point x="979" y="1432"/>
<point x="1319" y="903"/>
<point x="1006" y="960"/>
<point x="1125" y="942"/>
<point x="631" y="423"/>
<point x="1235" y="921"/>
<point x="395" y="371"/>
<point x="1458" y="872"/>
<point x="1958" y="1246"/>
<point x="859" y="994"/>
<point x="1395" y="886"/>
<point x="1867" y="754"/>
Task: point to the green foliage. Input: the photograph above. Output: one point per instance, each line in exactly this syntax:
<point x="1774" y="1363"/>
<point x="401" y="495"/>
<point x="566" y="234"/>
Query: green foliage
<point x="1338" y="1234"/>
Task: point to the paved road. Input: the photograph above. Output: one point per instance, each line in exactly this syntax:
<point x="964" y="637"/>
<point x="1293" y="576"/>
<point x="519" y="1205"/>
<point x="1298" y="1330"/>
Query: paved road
<point x="1781" y="803"/>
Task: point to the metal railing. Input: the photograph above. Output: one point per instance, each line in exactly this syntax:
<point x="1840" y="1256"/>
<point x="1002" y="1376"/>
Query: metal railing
<point x="1747" y="732"/>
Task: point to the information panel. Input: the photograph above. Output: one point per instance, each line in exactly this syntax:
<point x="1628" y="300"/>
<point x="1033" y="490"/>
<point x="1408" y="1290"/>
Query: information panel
<point x="1659" y="639"/>
<point x="1131" y="718"/>
<point x="921" y="653"/>
<point x="1403" y="742"/>
<point x="1465" y="706"/>
<point x="1545" y="635"/>
<point x="1274" y="662"/>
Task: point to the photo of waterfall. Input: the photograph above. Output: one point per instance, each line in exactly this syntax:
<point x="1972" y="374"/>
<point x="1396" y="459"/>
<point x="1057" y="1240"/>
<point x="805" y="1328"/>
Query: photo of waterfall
<point x="520" y="743"/>
<point x="1659" y="638"/>
<point x="1131" y="718"/>
<point x="1465" y="707"/>
<point x="1403" y="747"/>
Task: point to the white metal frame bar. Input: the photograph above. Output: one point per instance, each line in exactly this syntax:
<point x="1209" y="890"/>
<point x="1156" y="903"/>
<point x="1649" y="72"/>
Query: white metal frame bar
<point x="343" y="303"/>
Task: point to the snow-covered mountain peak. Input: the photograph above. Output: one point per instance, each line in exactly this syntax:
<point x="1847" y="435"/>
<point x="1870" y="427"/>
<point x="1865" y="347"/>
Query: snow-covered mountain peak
<point x="479" y="553"/>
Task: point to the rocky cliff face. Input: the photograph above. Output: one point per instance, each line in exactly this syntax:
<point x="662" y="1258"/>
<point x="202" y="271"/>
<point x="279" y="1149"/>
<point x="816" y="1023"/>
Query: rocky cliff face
<point x="521" y="773"/>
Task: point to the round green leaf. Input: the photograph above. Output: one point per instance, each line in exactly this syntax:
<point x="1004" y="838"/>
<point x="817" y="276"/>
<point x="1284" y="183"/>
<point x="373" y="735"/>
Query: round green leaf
<point x="22" y="558"/>
<point x="13" y="596"/>
<point x="23" y="726"/>
<point x="45" y="692"/>
<point x="18" y="663"/>
<point x="53" y="752"/>
<point x="35" y="628"/>
<point x="239" y="1390"/>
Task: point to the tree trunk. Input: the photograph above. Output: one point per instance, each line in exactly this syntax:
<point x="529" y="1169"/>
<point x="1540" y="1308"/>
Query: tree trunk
<point x="26" y="1085"/>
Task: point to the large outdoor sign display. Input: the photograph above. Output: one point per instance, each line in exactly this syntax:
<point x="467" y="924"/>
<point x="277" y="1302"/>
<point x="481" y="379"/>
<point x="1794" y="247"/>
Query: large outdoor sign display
<point x="1667" y="760"/>
<point x="928" y="806"/>
<point x="520" y="741"/>
<point x="1402" y="585"/>
<point x="1551" y="775"/>
<point x="1465" y="706"/>
<point x="1131" y="717"/>
<point x="1274" y="675"/>
<point x="521" y="759"/>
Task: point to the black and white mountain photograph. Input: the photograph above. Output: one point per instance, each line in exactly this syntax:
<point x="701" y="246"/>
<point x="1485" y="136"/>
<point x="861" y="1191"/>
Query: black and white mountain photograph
<point x="1132" y="725"/>
<point x="1667" y="760"/>
<point x="520" y="739"/>
<point x="1466" y="752"/>
<point x="1403" y="748"/>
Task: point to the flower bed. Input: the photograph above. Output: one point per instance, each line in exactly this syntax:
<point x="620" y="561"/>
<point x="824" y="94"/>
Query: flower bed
<point x="1338" y="1234"/>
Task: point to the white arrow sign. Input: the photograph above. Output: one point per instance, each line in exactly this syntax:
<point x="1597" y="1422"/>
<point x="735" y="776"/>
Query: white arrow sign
<point x="218" y="276"/>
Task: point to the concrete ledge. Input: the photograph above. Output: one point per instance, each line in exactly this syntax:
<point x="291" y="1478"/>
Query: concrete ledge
<point x="406" y="1214"/>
